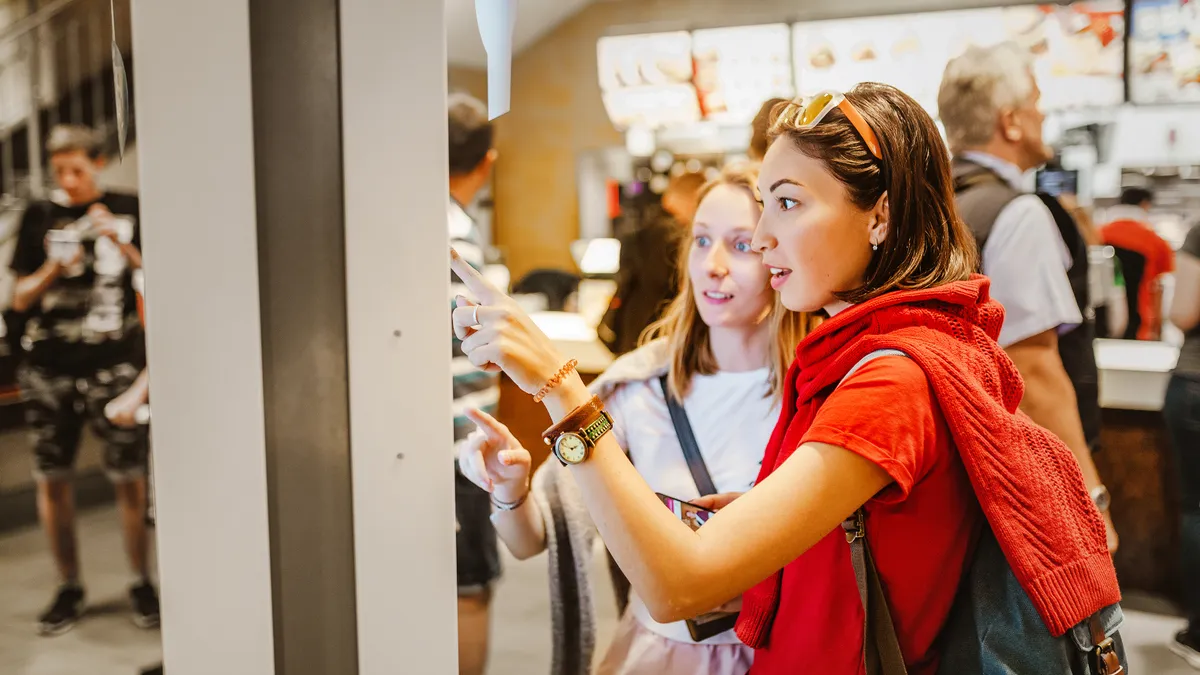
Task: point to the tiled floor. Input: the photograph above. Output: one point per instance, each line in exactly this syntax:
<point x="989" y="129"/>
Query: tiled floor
<point x="107" y="643"/>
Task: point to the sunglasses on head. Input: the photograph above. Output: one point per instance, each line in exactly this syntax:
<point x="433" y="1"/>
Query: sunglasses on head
<point x="814" y="109"/>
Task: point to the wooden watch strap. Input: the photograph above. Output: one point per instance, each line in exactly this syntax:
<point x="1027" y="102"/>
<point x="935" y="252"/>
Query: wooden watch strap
<point x="575" y="421"/>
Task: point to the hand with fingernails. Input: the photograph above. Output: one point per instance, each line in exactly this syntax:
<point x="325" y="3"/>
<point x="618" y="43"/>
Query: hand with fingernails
<point x="498" y="336"/>
<point x="493" y="459"/>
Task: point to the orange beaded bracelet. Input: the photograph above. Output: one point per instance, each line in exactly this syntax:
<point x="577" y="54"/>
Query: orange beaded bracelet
<point x="556" y="380"/>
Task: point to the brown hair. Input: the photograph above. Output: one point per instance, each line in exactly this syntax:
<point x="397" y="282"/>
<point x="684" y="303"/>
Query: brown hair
<point x="927" y="244"/>
<point x="687" y="334"/>
<point x="470" y="133"/>
<point x="760" y="129"/>
<point x="73" y="138"/>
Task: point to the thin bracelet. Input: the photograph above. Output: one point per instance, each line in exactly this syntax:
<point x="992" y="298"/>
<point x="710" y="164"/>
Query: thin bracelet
<point x="511" y="506"/>
<point x="556" y="380"/>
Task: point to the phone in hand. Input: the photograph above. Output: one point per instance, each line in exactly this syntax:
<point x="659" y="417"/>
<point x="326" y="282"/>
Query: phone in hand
<point x="693" y="516"/>
<point x="712" y="623"/>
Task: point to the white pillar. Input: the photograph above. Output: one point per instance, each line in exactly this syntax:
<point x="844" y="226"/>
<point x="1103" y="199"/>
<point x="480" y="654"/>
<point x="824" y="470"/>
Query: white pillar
<point x="230" y="472"/>
<point x="397" y="266"/>
<point x="196" y="159"/>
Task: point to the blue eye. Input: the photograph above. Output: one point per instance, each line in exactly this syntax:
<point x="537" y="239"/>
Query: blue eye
<point x="787" y="204"/>
<point x="703" y="241"/>
<point x="744" y="247"/>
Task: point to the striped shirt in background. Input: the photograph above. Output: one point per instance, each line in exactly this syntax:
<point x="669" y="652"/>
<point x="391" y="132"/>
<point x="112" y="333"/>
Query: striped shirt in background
<point x="473" y="388"/>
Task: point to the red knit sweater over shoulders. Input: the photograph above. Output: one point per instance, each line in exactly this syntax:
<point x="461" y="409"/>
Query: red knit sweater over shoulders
<point x="1027" y="481"/>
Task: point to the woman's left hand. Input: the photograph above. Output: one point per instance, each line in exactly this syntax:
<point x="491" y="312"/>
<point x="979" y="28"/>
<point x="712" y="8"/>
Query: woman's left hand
<point x="497" y="334"/>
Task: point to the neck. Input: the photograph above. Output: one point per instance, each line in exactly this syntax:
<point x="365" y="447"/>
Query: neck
<point x="740" y="349"/>
<point x="88" y="198"/>
<point x="833" y="309"/>
<point x="464" y="188"/>
<point x="1006" y="151"/>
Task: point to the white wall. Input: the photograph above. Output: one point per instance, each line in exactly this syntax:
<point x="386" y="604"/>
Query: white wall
<point x="197" y="190"/>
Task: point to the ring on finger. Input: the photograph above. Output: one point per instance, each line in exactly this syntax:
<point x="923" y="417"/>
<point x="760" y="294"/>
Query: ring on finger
<point x="475" y="316"/>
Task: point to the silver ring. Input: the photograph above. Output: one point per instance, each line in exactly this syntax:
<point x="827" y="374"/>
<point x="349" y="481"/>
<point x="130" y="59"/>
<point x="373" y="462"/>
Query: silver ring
<point x="475" y="316"/>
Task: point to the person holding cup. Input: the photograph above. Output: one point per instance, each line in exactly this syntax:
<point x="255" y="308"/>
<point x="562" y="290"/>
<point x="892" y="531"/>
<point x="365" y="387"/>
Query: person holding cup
<point x="84" y="361"/>
<point x="899" y="420"/>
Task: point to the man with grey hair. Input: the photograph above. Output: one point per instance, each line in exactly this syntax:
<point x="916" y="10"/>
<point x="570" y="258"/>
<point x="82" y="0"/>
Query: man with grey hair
<point x="1029" y="245"/>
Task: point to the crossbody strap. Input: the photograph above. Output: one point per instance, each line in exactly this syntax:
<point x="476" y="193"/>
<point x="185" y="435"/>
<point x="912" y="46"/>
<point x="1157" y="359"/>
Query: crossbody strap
<point x="881" y="647"/>
<point x="687" y="441"/>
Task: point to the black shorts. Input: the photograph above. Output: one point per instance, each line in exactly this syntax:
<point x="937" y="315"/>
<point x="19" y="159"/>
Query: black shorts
<point x="478" y="555"/>
<point x="58" y="405"/>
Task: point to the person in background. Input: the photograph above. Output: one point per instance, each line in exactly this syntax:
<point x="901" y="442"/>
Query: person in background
<point x="722" y="349"/>
<point x="648" y="277"/>
<point x="1182" y="412"/>
<point x="1029" y="246"/>
<point x="86" y="362"/>
<point x="472" y="156"/>
<point x="1145" y="257"/>
<point x="760" y="139"/>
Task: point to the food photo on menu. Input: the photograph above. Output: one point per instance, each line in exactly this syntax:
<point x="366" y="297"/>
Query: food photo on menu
<point x="1164" y="57"/>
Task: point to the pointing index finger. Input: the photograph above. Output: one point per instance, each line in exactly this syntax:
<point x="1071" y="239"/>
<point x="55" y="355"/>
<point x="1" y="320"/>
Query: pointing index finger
<point x="479" y="286"/>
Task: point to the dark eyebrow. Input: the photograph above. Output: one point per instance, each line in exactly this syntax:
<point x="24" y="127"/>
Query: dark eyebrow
<point x="784" y="181"/>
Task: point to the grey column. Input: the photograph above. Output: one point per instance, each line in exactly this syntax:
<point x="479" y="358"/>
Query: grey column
<point x="294" y="50"/>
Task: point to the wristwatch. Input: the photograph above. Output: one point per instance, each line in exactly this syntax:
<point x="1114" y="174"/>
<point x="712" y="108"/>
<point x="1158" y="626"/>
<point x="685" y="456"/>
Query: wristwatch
<point x="1101" y="498"/>
<point x="575" y="435"/>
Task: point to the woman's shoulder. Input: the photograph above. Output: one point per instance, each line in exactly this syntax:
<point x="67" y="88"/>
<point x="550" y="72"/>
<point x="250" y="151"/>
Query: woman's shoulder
<point x="644" y="364"/>
<point x="889" y="375"/>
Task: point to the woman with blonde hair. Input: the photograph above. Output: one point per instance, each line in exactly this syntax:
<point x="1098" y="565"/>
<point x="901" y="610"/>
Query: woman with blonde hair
<point x="721" y="349"/>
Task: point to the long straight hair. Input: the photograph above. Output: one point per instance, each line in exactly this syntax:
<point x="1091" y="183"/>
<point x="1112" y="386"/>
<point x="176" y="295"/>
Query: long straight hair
<point x="687" y="335"/>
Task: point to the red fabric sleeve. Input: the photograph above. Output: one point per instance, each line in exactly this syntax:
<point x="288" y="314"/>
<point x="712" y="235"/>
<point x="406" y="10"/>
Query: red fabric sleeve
<point x="886" y="413"/>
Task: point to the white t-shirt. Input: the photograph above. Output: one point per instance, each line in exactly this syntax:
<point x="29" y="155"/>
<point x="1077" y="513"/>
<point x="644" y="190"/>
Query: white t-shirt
<point x="1027" y="260"/>
<point x="732" y="416"/>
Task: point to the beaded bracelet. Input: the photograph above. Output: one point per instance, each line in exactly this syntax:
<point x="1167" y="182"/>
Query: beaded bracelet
<point x="556" y="380"/>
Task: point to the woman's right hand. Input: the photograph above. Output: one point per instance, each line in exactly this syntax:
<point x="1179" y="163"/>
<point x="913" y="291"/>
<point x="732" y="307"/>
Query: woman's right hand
<point x="493" y="459"/>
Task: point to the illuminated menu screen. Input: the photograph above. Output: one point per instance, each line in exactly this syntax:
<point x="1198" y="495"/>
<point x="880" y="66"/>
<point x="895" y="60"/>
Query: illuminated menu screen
<point x="646" y="80"/>
<point x="1164" y="56"/>
<point x="1078" y="50"/>
<point x="737" y="69"/>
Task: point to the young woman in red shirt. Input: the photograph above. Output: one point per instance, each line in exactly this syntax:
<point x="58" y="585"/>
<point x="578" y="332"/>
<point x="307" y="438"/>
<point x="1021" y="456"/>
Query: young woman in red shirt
<point x="859" y="221"/>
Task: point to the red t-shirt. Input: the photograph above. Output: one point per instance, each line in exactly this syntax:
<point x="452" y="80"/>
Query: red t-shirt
<point x="920" y="529"/>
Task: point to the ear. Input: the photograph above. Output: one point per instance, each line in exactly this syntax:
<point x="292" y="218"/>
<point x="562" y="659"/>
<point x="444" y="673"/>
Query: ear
<point x="100" y="162"/>
<point x="878" y="230"/>
<point x="1009" y="128"/>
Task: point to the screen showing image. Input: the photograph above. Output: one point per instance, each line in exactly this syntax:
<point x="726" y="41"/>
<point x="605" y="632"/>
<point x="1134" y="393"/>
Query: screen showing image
<point x="646" y="80"/>
<point x="693" y="516"/>
<point x="739" y="68"/>
<point x="1164" y="51"/>
<point x="1058" y="182"/>
<point x="1078" y="50"/>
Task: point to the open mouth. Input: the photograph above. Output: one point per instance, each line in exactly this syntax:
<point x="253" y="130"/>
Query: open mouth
<point x="717" y="298"/>
<point x="778" y="276"/>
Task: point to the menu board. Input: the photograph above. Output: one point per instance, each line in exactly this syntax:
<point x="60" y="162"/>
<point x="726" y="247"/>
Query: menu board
<point x="1078" y="50"/>
<point x="646" y="80"/>
<point x="1164" y="57"/>
<point x="739" y="68"/>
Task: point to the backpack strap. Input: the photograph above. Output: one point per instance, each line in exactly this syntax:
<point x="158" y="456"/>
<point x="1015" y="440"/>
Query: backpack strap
<point x="881" y="647"/>
<point x="687" y="441"/>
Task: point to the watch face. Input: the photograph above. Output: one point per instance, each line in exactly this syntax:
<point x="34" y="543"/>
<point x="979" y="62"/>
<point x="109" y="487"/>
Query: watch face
<point x="1102" y="499"/>
<point x="571" y="448"/>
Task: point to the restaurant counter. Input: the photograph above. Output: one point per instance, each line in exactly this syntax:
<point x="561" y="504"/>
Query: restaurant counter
<point x="1136" y="465"/>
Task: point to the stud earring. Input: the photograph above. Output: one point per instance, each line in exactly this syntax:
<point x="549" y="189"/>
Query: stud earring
<point x="874" y="247"/>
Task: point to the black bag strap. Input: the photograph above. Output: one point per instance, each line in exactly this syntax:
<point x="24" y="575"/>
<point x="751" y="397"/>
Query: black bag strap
<point x="881" y="647"/>
<point x="687" y="441"/>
